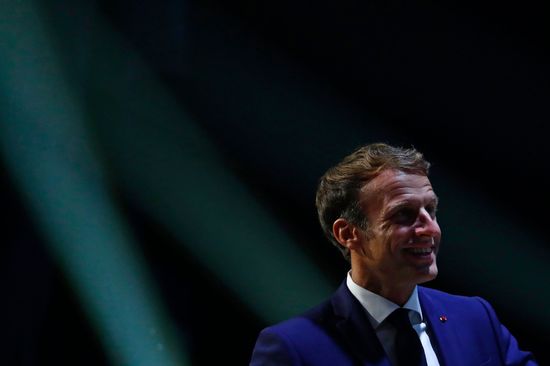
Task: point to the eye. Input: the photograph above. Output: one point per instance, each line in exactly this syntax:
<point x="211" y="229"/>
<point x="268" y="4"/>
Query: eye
<point x="432" y="210"/>
<point x="404" y="216"/>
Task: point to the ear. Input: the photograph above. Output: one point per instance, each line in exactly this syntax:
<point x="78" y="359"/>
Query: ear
<point x="347" y="234"/>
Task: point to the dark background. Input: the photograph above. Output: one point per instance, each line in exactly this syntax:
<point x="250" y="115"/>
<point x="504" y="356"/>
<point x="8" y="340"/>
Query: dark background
<point x="283" y="90"/>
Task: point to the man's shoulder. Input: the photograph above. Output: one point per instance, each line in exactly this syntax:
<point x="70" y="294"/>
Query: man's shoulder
<point x="312" y="338"/>
<point x="440" y="298"/>
<point x="308" y="331"/>
<point x="438" y="294"/>
<point x="445" y="296"/>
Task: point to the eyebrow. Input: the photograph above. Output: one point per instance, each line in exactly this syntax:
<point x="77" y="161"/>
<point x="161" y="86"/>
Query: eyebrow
<point x="407" y="203"/>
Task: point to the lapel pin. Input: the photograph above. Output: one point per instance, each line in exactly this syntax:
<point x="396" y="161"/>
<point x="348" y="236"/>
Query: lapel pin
<point x="442" y="318"/>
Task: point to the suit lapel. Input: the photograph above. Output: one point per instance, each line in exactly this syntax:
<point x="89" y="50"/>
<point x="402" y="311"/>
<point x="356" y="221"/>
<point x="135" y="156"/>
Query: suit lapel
<point x="441" y="329"/>
<point x="354" y="327"/>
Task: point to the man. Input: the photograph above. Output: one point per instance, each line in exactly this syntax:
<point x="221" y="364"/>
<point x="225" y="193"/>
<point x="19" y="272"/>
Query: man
<point x="379" y="208"/>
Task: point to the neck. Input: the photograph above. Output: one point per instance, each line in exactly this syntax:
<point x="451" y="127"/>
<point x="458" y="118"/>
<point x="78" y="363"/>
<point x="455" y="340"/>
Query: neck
<point x="396" y="293"/>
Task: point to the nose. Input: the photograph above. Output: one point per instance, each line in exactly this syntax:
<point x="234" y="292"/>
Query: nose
<point x="426" y="225"/>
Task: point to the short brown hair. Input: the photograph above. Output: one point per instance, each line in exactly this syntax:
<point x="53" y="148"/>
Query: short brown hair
<point x="338" y="191"/>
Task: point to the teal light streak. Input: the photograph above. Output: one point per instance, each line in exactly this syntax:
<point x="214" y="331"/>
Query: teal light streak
<point x="48" y="151"/>
<point x="170" y="167"/>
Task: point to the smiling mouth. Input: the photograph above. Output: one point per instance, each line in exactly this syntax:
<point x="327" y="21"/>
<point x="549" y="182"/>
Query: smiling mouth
<point x="420" y="251"/>
<point x="423" y="253"/>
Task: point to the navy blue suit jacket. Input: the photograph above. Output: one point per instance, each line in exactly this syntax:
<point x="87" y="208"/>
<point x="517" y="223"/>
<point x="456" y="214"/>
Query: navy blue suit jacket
<point x="338" y="333"/>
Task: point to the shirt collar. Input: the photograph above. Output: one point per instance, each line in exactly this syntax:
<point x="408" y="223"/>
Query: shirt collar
<point x="379" y="307"/>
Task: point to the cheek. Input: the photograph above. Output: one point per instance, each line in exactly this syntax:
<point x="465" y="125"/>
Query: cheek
<point x="395" y="239"/>
<point x="399" y="236"/>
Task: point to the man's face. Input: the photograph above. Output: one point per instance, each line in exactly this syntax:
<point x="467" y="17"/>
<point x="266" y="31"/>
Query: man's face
<point x="402" y="240"/>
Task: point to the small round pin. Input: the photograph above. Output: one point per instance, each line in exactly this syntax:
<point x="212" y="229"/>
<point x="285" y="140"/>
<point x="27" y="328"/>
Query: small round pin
<point x="443" y="318"/>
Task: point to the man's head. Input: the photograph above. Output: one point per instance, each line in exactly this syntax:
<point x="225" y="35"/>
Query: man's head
<point x="377" y="204"/>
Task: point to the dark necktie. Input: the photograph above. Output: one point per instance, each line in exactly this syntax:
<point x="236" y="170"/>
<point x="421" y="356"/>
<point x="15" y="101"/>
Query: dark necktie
<point x="408" y="348"/>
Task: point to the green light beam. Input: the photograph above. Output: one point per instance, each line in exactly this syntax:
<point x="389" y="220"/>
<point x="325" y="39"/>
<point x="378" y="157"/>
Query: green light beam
<point x="47" y="149"/>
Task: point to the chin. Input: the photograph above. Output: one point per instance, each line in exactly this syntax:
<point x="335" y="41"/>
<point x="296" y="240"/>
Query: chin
<point x="428" y="274"/>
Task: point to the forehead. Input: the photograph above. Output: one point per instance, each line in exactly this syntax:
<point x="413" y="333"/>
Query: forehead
<point x="392" y="186"/>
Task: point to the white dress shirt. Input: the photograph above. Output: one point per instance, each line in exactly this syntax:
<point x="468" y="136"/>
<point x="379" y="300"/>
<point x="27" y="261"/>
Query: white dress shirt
<point x="379" y="308"/>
